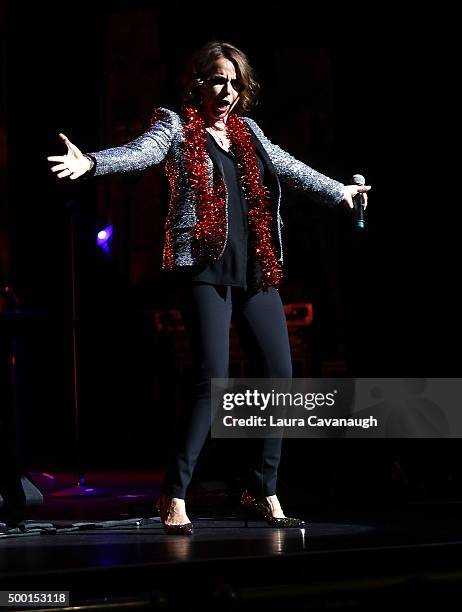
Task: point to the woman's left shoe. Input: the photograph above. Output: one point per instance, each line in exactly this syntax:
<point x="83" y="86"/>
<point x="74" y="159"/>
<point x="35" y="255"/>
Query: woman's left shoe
<point x="165" y="507"/>
<point x="262" y="507"/>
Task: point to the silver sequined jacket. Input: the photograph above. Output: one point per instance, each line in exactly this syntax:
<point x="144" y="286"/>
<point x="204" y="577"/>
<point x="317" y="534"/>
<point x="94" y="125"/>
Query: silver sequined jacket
<point x="163" y="143"/>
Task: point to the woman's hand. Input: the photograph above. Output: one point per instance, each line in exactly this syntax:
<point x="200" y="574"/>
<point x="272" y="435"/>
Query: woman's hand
<point x="351" y="190"/>
<point x="73" y="164"/>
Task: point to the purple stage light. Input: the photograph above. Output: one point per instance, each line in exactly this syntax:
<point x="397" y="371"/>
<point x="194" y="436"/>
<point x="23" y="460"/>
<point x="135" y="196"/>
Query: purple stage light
<point x="103" y="238"/>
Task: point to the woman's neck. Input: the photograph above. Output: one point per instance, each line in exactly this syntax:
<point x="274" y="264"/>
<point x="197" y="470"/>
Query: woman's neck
<point x="214" y="124"/>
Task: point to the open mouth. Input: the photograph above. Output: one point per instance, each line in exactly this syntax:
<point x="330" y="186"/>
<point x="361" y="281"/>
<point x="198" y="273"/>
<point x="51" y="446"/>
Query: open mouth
<point x="222" y="106"/>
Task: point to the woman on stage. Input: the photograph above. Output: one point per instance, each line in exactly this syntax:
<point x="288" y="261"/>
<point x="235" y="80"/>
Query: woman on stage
<point x="222" y="238"/>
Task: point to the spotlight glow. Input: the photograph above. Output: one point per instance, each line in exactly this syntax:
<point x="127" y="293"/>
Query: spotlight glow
<point x="103" y="238"/>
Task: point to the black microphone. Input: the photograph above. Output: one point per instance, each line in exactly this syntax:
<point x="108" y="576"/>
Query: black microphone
<point x="360" y="222"/>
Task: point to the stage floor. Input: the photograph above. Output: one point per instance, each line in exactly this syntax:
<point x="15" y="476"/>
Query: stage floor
<point x="368" y="558"/>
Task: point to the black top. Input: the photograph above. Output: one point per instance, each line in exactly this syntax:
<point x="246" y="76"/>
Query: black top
<point x="235" y="267"/>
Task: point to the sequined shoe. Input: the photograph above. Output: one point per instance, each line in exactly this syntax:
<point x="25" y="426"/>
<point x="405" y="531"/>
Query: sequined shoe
<point x="261" y="506"/>
<point x="163" y="506"/>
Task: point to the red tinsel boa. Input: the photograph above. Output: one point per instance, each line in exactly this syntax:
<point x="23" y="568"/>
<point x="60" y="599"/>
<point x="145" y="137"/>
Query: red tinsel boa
<point x="210" y="230"/>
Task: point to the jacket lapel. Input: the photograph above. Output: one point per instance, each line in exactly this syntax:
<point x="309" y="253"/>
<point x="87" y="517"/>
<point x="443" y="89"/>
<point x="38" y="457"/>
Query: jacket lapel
<point x="212" y="151"/>
<point x="261" y="149"/>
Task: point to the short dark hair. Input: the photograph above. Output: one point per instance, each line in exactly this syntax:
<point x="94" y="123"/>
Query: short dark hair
<point x="199" y="68"/>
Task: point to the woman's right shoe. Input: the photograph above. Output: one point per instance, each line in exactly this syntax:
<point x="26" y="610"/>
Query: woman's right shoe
<point x="261" y="507"/>
<point x="164" y="507"/>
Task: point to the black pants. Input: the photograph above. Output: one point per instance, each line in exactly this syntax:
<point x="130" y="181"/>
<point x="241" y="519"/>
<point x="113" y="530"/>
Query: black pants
<point x="259" y="320"/>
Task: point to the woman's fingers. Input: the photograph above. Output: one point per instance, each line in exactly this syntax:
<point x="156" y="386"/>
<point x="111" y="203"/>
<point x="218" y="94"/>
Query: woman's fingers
<point x="352" y="190"/>
<point x="63" y="170"/>
<point x="70" y="146"/>
<point x="64" y="173"/>
<point x="64" y="137"/>
<point x="58" y="167"/>
<point x="363" y="190"/>
<point x="66" y="140"/>
<point x="348" y="199"/>
<point x="59" y="158"/>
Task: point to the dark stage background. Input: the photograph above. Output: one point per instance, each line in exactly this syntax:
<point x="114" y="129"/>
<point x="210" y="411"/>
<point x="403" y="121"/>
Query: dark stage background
<point x="344" y="97"/>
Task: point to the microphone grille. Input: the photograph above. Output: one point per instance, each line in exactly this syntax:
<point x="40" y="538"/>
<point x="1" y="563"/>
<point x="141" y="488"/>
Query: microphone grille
<point x="358" y="179"/>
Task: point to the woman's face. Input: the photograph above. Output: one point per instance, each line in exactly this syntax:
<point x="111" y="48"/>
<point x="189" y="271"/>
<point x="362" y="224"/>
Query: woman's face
<point x="220" y="92"/>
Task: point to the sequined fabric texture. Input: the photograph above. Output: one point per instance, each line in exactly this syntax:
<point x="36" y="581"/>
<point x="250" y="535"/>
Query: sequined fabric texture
<point x="185" y="243"/>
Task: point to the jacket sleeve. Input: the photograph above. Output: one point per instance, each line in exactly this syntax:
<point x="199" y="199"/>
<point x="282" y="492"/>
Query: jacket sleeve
<point x="298" y="175"/>
<point x="147" y="150"/>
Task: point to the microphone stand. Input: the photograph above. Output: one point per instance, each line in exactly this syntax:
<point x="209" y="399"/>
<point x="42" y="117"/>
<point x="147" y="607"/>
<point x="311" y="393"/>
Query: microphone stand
<point x="81" y="489"/>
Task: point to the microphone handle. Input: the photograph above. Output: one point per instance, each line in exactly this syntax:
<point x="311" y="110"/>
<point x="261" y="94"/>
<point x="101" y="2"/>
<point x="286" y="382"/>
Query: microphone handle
<point x="359" y="211"/>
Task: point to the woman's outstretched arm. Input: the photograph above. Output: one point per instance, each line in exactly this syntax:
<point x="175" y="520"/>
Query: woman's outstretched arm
<point x="301" y="176"/>
<point x="147" y="150"/>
